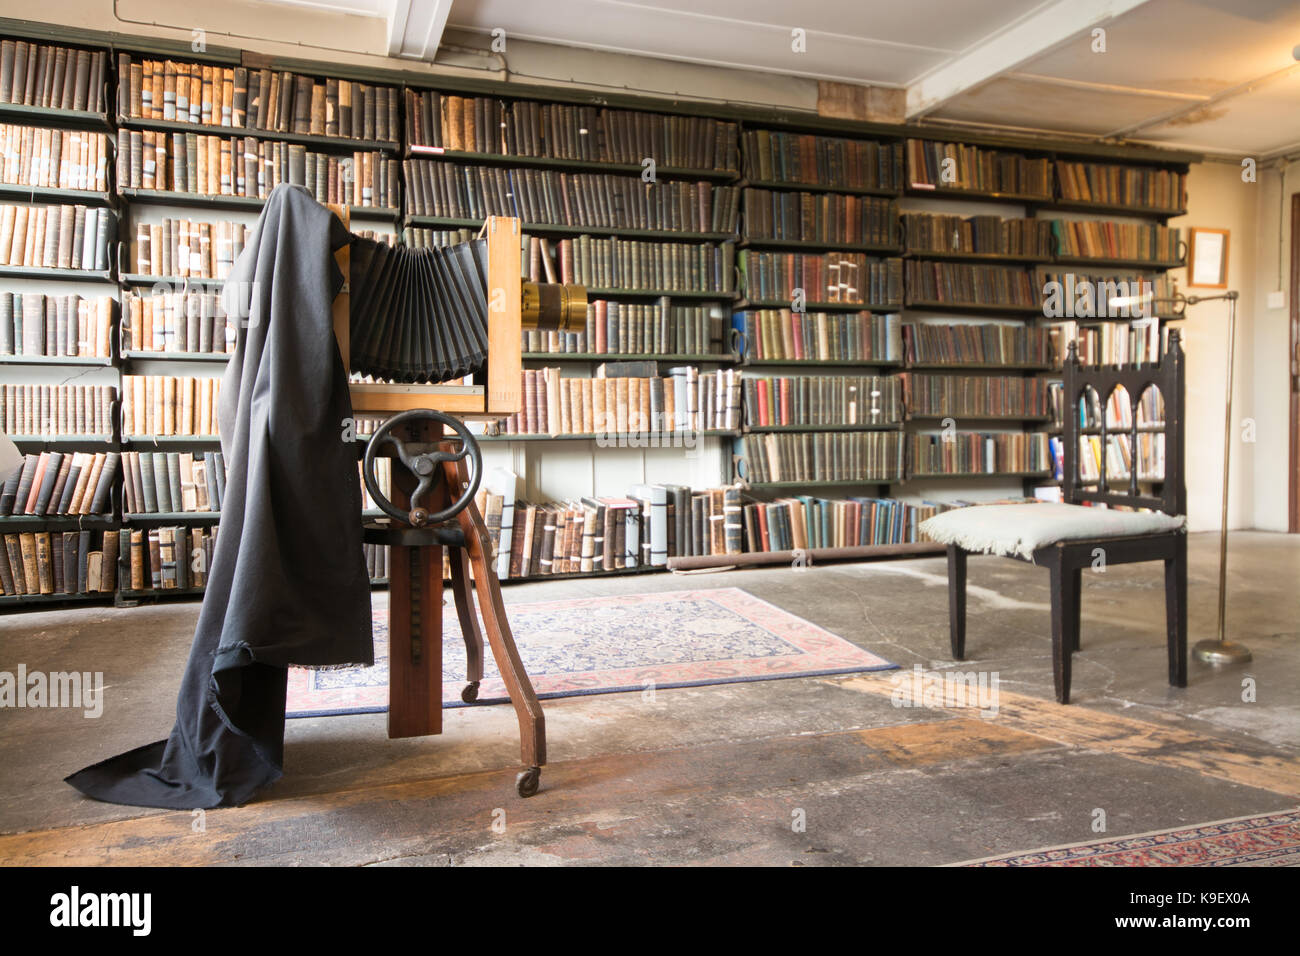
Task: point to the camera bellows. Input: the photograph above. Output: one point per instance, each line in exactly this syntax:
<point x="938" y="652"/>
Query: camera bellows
<point x="418" y="315"/>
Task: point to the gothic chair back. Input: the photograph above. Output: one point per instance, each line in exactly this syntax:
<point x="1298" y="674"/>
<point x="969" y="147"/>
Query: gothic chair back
<point x="1168" y="377"/>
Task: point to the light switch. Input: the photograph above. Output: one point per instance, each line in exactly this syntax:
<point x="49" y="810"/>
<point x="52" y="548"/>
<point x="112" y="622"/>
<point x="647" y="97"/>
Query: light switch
<point x="1277" y="300"/>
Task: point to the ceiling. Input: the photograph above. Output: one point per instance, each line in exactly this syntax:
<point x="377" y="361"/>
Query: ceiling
<point x="1213" y="76"/>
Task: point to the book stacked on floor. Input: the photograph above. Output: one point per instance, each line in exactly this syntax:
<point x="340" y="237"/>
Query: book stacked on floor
<point x="623" y="399"/>
<point x="977" y="344"/>
<point x="276" y="101"/>
<point x="849" y="277"/>
<point x="932" y="165"/>
<point x="820" y="217"/>
<point x="635" y="265"/>
<point x="52" y="77"/>
<point x="824" y="161"/>
<point x="32" y="324"/>
<point x="977" y="396"/>
<point x="866" y="456"/>
<point x="596" y="200"/>
<point x="172" y="482"/>
<point x="1114" y="185"/>
<point x="53" y="563"/>
<point x="57" y="411"/>
<point x="1116" y="240"/>
<point x="960" y="283"/>
<point x="176" y="322"/>
<point x="167" y="405"/>
<point x="184" y="248"/>
<point x="168" y="558"/>
<point x="58" y="484"/>
<point x="970" y="453"/>
<point x="822" y="400"/>
<point x="56" y="237"/>
<point x="484" y="124"/>
<point x="977" y="235"/>
<point x="771" y="335"/>
<point x="636" y="328"/>
<point x="376" y="561"/>
<point x="807" y="522"/>
<point x="245" y="166"/>
<point x="45" y="158"/>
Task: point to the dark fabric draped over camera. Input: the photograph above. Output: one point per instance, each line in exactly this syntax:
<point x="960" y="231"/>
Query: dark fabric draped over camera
<point x="288" y="582"/>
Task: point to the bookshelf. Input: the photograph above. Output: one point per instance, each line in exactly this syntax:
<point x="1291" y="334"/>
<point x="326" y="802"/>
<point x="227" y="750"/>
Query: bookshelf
<point x="842" y="175"/>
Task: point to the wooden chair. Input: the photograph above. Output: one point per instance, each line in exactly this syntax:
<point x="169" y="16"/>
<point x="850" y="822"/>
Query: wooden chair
<point x="1068" y="537"/>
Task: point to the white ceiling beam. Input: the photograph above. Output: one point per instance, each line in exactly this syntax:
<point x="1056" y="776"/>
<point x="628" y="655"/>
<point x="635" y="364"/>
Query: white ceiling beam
<point x="415" y="27"/>
<point x="1039" y="32"/>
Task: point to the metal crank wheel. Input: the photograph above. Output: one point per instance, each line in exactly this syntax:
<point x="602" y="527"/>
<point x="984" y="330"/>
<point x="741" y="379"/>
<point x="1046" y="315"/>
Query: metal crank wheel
<point x="528" y="781"/>
<point x="423" y="460"/>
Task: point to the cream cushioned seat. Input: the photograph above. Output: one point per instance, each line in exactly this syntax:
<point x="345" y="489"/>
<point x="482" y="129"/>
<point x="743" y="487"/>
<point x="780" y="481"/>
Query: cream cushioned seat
<point x="1021" y="529"/>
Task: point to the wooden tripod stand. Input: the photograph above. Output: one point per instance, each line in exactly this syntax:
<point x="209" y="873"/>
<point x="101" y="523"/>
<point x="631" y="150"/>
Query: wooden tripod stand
<point x="416" y="544"/>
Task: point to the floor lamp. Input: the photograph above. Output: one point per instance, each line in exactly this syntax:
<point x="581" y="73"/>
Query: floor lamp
<point x="1217" y="650"/>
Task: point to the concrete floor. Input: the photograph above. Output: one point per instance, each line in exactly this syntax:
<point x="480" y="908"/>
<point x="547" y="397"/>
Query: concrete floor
<point x="719" y="774"/>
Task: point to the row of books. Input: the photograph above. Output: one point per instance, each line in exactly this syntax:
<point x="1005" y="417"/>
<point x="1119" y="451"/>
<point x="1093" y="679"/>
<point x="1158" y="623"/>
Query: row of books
<point x="246" y="166"/>
<point x="163" y="482"/>
<point x="1120" y="454"/>
<point x="820" y="217"/>
<point x="636" y="328"/>
<point x="932" y="165"/>
<point x="71" y="562"/>
<point x="958" y="283"/>
<point x="184" y="248"/>
<point x="823" y="277"/>
<point x="1122" y="185"/>
<point x="825" y="161"/>
<point x="418" y="237"/>
<point x="771" y="335"/>
<point x="169" y="405"/>
<point x="620" y="402"/>
<point x="634" y="265"/>
<point x="484" y="124"/>
<point x="971" y="453"/>
<point x="377" y="561"/>
<point x="806" y="522"/>
<point x="56" y="237"/>
<point x="977" y="235"/>
<point x="845" y="400"/>
<point x="1086" y="295"/>
<point x="55" y="484"/>
<point x="32" y="324"/>
<point x="986" y="343"/>
<point x="169" y="557"/>
<point x="56" y="411"/>
<point x="46" y="158"/>
<point x="177" y="322"/>
<point x="1121" y="410"/>
<point x="978" y="396"/>
<point x="52" y="77"/>
<point x="276" y="101"/>
<point x="1116" y="240"/>
<point x="1110" y="343"/>
<point x="822" y="456"/>
<point x="597" y="200"/>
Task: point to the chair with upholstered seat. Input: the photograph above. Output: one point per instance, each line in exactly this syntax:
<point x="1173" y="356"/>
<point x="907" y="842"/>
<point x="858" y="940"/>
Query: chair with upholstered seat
<point x="1070" y="536"/>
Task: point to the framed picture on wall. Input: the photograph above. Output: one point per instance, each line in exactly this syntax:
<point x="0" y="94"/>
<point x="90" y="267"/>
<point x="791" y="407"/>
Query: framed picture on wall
<point x="1207" y="260"/>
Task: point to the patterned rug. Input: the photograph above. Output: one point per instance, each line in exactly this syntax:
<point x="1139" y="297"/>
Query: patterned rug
<point x="609" y="644"/>
<point x="1269" y="840"/>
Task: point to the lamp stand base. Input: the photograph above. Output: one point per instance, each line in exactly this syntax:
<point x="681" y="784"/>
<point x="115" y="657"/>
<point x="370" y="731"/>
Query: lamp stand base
<point x="1221" y="652"/>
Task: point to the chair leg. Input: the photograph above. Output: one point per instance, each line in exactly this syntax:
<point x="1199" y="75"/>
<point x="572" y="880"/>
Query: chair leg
<point x="1176" y="612"/>
<point x="1077" y="573"/>
<point x="469" y="629"/>
<point x="957" y="601"/>
<point x="1065" y="601"/>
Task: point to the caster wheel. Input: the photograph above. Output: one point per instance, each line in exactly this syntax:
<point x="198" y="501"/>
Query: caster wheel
<point x="527" y="782"/>
<point x="470" y="693"/>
